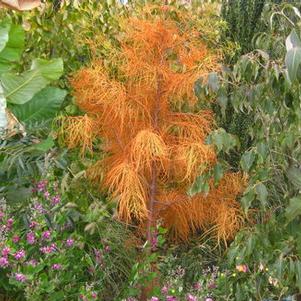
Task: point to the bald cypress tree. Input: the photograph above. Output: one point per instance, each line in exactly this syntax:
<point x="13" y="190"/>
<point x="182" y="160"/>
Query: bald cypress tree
<point x="152" y="131"/>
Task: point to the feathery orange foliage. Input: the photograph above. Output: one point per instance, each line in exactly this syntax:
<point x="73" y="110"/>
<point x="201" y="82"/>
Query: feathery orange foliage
<point x="155" y="151"/>
<point x="79" y="131"/>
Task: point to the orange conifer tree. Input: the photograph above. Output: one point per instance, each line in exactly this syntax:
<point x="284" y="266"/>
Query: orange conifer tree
<point x="151" y="131"/>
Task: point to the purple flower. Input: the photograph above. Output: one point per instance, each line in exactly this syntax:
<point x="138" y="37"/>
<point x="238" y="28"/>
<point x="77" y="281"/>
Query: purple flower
<point x="209" y="299"/>
<point x="33" y="224"/>
<point x="30" y="237"/>
<point x="55" y="200"/>
<point x="171" y="298"/>
<point x="41" y="186"/>
<point x="4" y="262"/>
<point x="20" y="277"/>
<point x="45" y="250"/>
<point x="5" y="251"/>
<point x="46" y="235"/>
<point x="19" y="254"/>
<point x="154" y="241"/>
<point x="39" y="208"/>
<point x="53" y="247"/>
<point x="154" y="299"/>
<point x="16" y="239"/>
<point x="48" y="249"/>
<point x="164" y="290"/>
<point x="56" y="267"/>
<point x="69" y="242"/>
<point x="191" y="298"/>
<point x="32" y="262"/>
<point x="46" y="195"/>
<point x="98" y="256"/>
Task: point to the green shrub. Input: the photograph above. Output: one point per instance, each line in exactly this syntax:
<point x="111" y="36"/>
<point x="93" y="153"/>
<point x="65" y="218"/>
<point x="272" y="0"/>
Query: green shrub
<point x="267" y="87"/>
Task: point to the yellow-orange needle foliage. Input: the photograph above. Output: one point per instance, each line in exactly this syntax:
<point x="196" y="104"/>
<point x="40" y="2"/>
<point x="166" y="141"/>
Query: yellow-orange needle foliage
<point x="154" y="149"/>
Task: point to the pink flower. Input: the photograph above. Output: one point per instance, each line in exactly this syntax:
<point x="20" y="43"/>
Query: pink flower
<point x="197" y="286"/>
<point x="1" y="215"/>
<point x="46" y="195"/>
<point x="16" y="239"/>
<point x="19" y="254"/>
<point x="164" y="290"/>
<point x="46" y="234"/>
<point x="30" y="237"/>
<point x="56" y="267"/>
<point x="191" y="298"/>
<point x="33" y="224"/>
<point x="107" y="249"/>
<point x="55" y="200"/>
<point x="94" y="295"/>
<point x="20" y="277"/>
<point x="209" y="299"/>
<point x="154" y="299"/>
<point x="9" y="224"/>
<point x="4" y="262"/>
<point x="242" y="268"/>
<point x="69" y="242"/>
<point x="5" y="251"/>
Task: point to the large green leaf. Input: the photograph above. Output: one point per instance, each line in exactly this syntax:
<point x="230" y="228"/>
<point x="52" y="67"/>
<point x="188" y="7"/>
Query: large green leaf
<point x="52" y="70"/>
<point x="247" y="160"/>
<point x="13" y="47"/>
<point x="19" y="89"/>
<point x="292" y="61"/>
<point x="262" y="193"/>
<point x="200" y="185"/>
<point x="4" y="33"/>
<point x="294" y="175"/>
<point x="293" y="209"/>
<point x="292" y="40"/>
<point x="222" y="140"/>
<point x="44" y="146"/>
<point x="3" y="120"/>
<point x="42" y="107"/>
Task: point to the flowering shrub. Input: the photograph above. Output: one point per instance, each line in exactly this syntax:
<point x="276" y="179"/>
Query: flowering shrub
<point x="215" y="284"/>
<point x="47" y="257"/>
